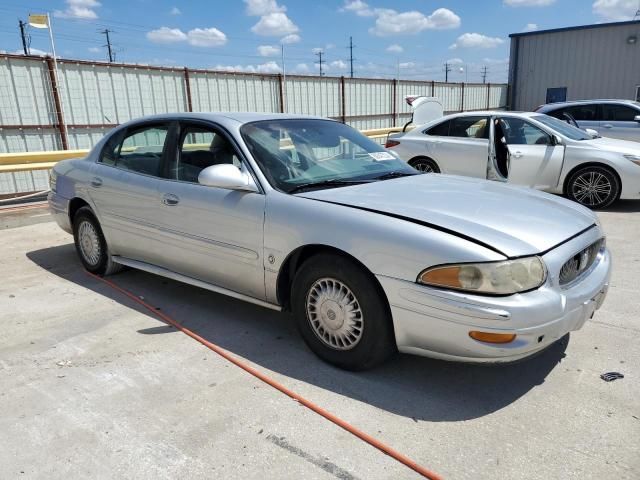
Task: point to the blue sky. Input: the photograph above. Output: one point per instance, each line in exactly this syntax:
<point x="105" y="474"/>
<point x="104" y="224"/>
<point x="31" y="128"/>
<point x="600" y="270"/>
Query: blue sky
<point x="414" y="37"/>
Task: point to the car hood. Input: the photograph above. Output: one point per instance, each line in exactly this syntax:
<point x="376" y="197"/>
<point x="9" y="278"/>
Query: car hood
<point x="512" y="220"/>
<point x="614" y="145"/>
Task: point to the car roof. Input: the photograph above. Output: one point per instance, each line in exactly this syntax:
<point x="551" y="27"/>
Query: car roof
<point x="223" y="117"/>
<point x="586" y="102"/>
<point x="486" y="113"/>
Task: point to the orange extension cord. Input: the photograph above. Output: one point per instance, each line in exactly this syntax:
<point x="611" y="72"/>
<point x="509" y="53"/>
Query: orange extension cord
<point x="261" y="376"/>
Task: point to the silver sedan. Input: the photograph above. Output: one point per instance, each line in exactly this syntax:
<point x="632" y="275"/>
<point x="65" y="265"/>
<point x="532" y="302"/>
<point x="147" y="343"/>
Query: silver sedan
<point x="530" y="149"/>
<point x="308" y="215"/>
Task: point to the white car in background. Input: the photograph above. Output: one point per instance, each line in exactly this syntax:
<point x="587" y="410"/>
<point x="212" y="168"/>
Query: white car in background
<point x="530" y="149"/>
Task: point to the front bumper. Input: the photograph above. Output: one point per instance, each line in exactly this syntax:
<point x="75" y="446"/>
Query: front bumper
<point x="436" y="323"/>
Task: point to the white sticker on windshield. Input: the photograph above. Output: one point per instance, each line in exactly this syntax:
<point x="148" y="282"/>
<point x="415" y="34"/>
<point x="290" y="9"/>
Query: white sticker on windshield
<point x="381" y="156"/>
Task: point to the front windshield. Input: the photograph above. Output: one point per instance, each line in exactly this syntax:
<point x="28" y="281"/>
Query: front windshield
<point x="299" y="153"/>
<point x="562" y="128"/>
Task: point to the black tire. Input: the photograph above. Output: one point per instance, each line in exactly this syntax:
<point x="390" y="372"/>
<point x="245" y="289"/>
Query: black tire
<point x="593" y="186"/>
<point x="374" y="342"/>
<point x="91" y="245"/>
<point x="424" y="165"/>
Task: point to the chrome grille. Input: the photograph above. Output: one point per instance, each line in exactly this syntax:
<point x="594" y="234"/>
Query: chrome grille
<point x="580" y="262"/>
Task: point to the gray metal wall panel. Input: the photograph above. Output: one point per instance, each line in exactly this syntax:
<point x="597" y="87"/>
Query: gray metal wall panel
<point x="591" y="63"/>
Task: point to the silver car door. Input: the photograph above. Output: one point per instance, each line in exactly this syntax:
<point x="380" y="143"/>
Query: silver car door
<point x="618" y="121"/>
<point x="124" y="189"/>
<point x="534" y="158"/>
<point x="208" y="233"/>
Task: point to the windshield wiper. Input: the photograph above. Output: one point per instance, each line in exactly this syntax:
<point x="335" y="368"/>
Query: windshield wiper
<point x="326" y="183"/>
<point x="389" y="175"/>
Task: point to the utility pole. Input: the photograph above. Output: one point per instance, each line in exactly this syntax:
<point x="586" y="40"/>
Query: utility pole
<point x="23" y="34"/>
<point x="447" y="69"/>
<point x="319" y="54"/>
<point x="484" y="74"/>
<point x="351" y="54"/>
<point x="106" y="32"/>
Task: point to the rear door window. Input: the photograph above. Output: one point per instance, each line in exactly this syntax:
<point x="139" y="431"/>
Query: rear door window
<point x="440" y="130"/>
<point x="142" y="149"/>
<point x="618" y="113"/>
<point x="469" y="127"/>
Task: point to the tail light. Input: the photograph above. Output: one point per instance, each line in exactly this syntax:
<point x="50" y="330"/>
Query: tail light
<point x="391" y="143"/>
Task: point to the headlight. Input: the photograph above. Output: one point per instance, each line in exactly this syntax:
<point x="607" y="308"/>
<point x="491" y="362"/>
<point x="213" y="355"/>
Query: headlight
<point x="493" y="278"/>
<point x="634" y="158"/>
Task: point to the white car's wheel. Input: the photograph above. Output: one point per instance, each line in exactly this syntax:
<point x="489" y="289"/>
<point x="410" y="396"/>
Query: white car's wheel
<point x="424" y="165"/>
<point x="593" y="186"/>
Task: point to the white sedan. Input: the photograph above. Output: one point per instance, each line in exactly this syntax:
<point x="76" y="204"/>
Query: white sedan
<point x="529" y="149"/>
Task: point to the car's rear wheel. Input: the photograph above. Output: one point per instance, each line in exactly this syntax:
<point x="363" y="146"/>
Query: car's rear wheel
<point x="341" y="313"/>
<point x="593" y="186"/>
<point x="91" y="244"/>
<point x="424" y="165"/>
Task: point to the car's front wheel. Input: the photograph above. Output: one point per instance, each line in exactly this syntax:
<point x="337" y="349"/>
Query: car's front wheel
<point x="593" y="186"/>
<point x="91" y="244"/>
<point x="424" y="165"/>
<point x="341" y="313"/>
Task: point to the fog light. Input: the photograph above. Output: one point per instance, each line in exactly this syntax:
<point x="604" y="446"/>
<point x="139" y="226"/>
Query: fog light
<point x="492" y="337"/>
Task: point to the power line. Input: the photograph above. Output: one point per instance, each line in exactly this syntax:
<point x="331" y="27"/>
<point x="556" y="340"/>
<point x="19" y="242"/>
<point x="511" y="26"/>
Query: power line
<point x="112" y="56"/>
<point x="24" y="36"/>
<point x="319" y="54"/>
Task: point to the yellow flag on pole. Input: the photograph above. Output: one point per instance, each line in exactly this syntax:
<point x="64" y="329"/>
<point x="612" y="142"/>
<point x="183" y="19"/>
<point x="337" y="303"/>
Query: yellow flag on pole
<point x="39" y="20"/>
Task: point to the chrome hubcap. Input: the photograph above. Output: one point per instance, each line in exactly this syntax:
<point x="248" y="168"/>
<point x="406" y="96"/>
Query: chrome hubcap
<point x="591" y="188"/>
<point x="89" y="243"/>
<point x="424" y="167"/>
<point x="334" y="314"/>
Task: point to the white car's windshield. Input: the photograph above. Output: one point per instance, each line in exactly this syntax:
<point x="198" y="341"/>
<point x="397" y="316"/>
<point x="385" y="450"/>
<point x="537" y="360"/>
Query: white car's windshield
<point x="563" y="128"/>
<point x="298" y="154"/>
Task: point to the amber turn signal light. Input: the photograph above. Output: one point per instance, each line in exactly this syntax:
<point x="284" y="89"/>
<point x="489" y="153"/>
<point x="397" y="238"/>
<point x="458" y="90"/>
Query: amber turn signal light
<point x="492" y="337"/>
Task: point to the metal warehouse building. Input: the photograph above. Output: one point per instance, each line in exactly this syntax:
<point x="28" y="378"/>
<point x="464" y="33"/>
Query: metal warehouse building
<point x="575" y="63"/>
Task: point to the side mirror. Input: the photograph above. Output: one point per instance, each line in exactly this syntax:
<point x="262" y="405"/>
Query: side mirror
<point x="636" y="118"/>
<point x="227" y="176"/>
<point x="594" y="133"/>
<point x="556" y="140"/>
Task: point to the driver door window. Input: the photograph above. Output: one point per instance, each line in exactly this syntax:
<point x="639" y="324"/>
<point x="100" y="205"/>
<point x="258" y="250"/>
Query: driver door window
<point x="200" y="147"/>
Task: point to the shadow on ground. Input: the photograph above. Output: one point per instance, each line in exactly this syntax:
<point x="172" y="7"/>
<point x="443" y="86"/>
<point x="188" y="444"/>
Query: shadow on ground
<point x="623" y="206"/>
<point x="414" y="387"/>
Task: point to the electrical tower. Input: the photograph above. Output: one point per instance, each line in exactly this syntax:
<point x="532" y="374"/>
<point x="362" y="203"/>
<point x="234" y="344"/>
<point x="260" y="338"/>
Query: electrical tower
<point x="112" y="56"/>
<point x="484" y="74"/>
<point x="26" y="41"/>
<point x="447" y="69"/>
<point x="319" y="54"/>
<point x="351" y="54"/>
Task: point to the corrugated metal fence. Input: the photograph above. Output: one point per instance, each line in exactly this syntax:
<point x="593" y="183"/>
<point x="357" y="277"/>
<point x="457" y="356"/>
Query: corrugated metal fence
<point x="92" y="97"/>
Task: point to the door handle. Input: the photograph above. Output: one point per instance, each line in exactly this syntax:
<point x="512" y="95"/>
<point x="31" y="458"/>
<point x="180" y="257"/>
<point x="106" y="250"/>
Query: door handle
<point x="170" y="199"/>
<point x="517" y="154"/>
<point x="607" y="125"/>
<point x="96" y="182"/>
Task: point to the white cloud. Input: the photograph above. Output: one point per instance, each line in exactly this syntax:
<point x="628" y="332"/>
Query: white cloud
<point x="79" y="9"/>
<point x="455" y="61"/>
<point x="274" y="24"/>
<point x="395" y="48"/>
<point x="167" y="35"/>
<point x="530" y="27"/>
<point x="268" y="67"/>
<point x="317" y="50"/>
<point x="94" y="49"/>
<point x="476" y="40"/>
<point x="301" y="68"/>
<point x="268" y="51"/>
<point x="258" y="8"/>
<point x="288" y="39"/>
<point x="32" y="51"/>
<point x="206" y="37"/>
<point x="338" y="64"/>
<point x="175" y="11"/>
<point x="390" y="22"/>
<point x="405" y="65"/>
<point x="528" y="3"/>
<point x="358" y="7"/>
<point x="198" y="37"/>
<point x="615" y="10"/>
